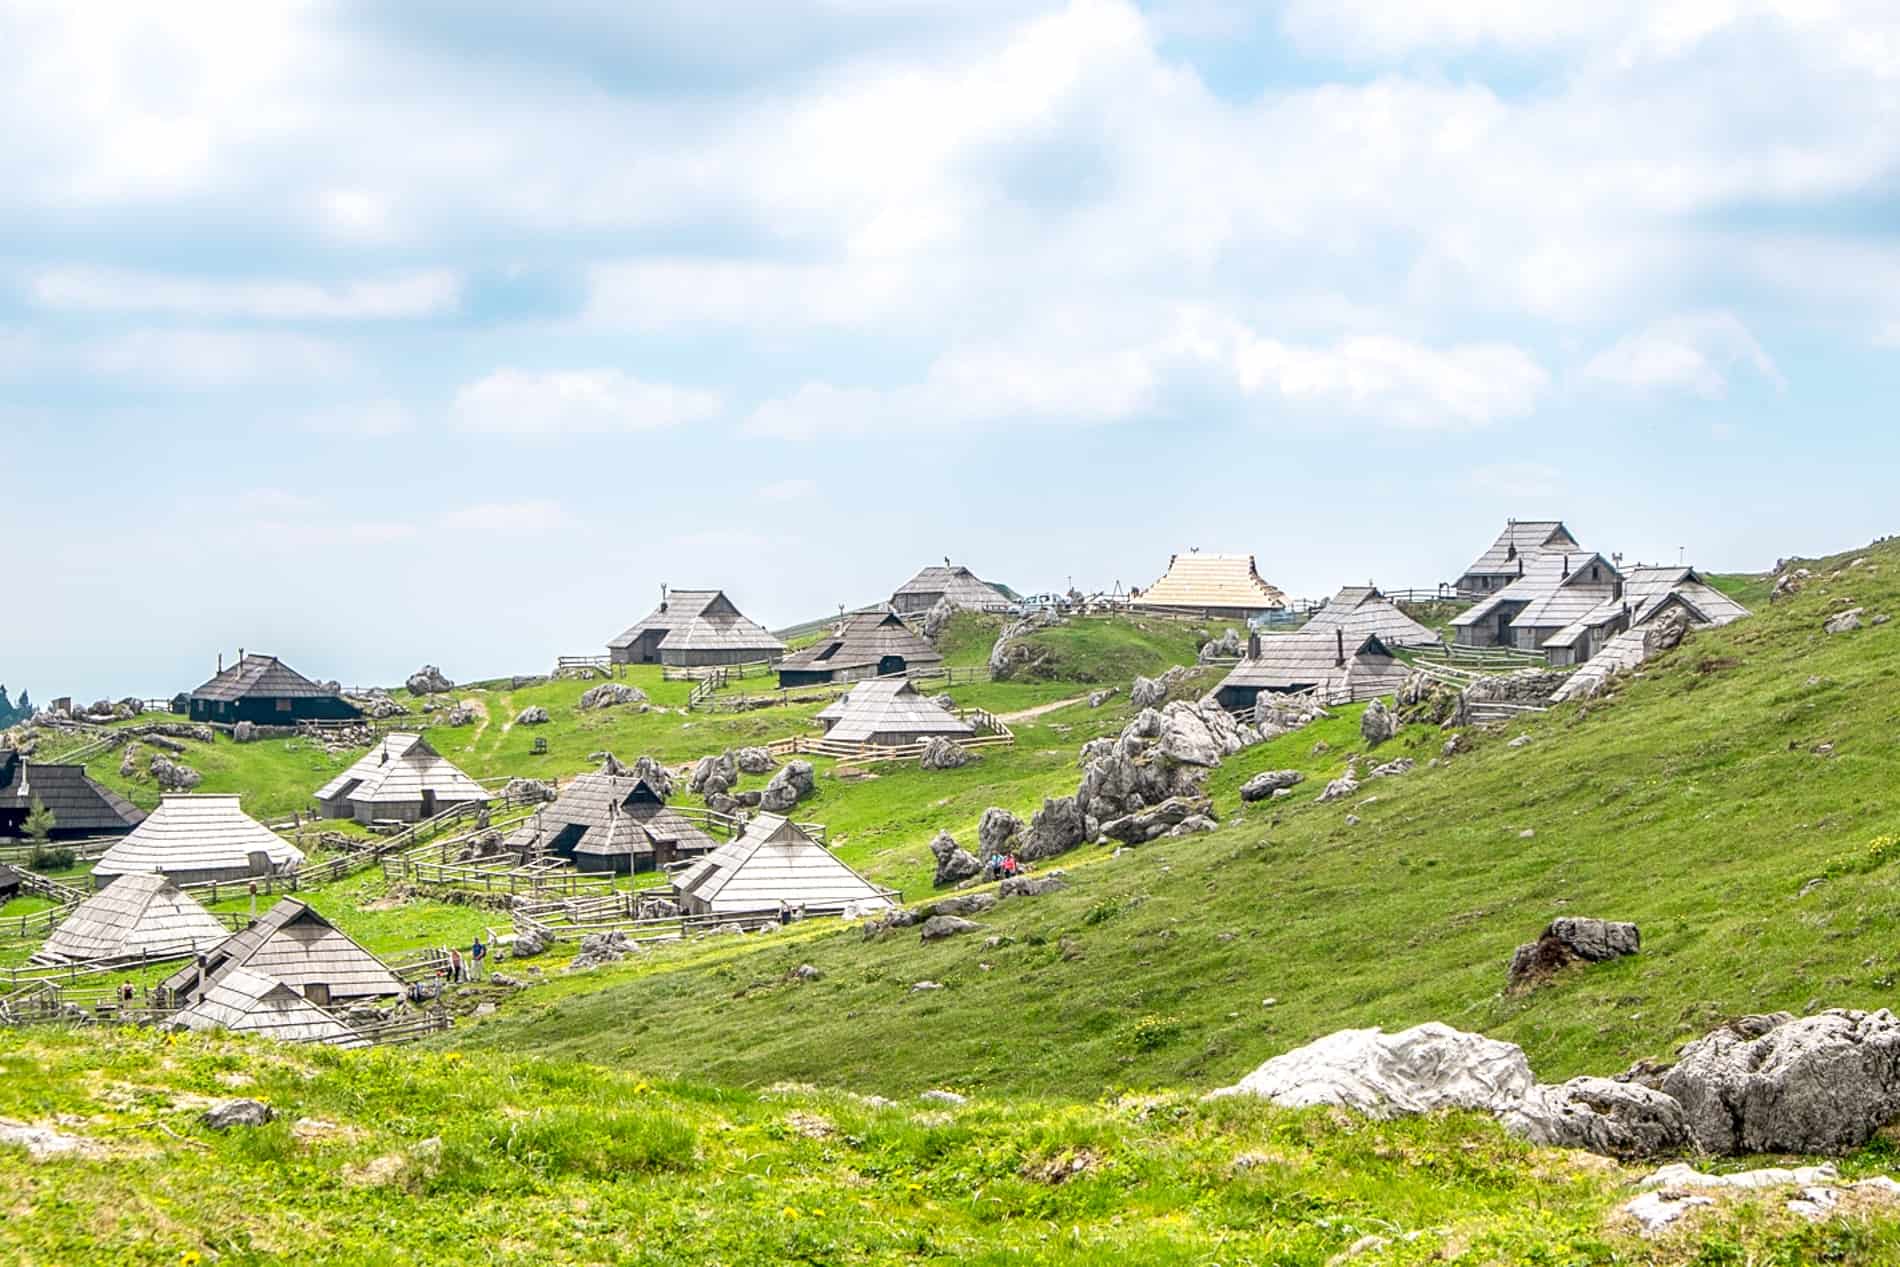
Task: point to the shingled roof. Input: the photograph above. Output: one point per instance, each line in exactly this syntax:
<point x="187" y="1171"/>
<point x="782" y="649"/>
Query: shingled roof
<point x="76" y="802"/>
<point x="292" y="943"/>
<point x="1360" y="611"/>
<point x="398" y="768"/>
<point x="1554" y="590"/>
<point x="1648" y="590"/>
<point x="247" y="1002"/>
<point x="262" y="677"/>
<point x="1526" y="539"/>
<point x="701" y="620"/>
<point x="1326" y="661"/>
<point x="189" y="835"/>
<point x="889" y="710"/>
<point x="860" y="641"/>
<point x="1211" y="582"/>
<point x="952" y="581"/>
<point x="617" y="814"/>
<point x="134" y="916"/>
<point x="772" y="862"/>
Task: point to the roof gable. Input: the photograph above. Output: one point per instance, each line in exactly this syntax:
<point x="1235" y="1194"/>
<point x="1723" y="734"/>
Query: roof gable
<point x="134" y="915"/>
<point x="197" y="832"/>
<point x="261" y="677"/>
<point x="1212" y="581"/>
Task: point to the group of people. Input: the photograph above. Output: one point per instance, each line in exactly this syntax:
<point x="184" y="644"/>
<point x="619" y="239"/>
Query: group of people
<point x="789" y="911"/>
<point x="467" y="966"/>
<point x="1001" y="866"/>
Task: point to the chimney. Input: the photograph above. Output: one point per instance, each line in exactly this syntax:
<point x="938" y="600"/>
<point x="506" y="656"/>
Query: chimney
<point x="662" y="595"/>
<point x="1566" y="567"/>
<point x="220" y="662"/>
<point x="1253" y="645"/>
<point x="1340" y="636"/>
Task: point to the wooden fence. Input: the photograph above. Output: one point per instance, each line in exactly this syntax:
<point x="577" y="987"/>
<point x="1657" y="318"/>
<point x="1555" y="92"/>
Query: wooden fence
<point x="996" y="734"/>
<point x="600" y="664"/>
<point x="618" y="915"/>
<point x="707" y="694"/>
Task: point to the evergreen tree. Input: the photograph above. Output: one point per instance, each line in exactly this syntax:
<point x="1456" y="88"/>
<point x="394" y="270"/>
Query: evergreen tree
<point x="39" y="823"/>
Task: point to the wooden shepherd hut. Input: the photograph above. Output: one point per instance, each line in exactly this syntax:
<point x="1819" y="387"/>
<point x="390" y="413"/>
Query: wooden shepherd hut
<point x="611" y="822"/>
<point x="79" y="806"/>
<point x="774" y="862"/>
<point x="863" y="645"/>
<point x="695" y="629"/>
<point x="264" y="690"/>
<point x="193" y="839"/>
<point x="890" y="712"/>
<point x="1227" y="586"/>
<point x="246" y="1002"/>
<point x="401" y="779"/>
<point x="1361" y="611"/>
<point x="1554" y="591"/>
<point x="1338" y="669"/>
<point x="1521" y="543"/>
<point x="292" y="944"/>
<point x="134" y="917"/>
<point x="951" y="581"/>
<point x="1648" y="592"/>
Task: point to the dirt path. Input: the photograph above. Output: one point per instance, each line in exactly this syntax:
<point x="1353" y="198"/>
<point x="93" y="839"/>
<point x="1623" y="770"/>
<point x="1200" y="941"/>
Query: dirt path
<point x="1030" y="714"/>
<point x="481" y="712"/>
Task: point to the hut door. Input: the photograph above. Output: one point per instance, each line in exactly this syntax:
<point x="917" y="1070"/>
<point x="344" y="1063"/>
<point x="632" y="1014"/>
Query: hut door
<point x="317" y="992"/>
<point x="890" y="664"/>
<point x="428" y="802"/>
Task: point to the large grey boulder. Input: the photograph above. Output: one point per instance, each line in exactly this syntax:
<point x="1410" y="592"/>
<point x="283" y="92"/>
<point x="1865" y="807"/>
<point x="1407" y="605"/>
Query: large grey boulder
<point x="1665" y="633"/>
<point x="712" y="775"/>
<point x="531" y="941"/>
<point x="1198" y="734"/>
<point x="938" y="617"/>
<point x="429" y="680"/>
<point x="222" y="1117"/>
<point x="1150" y="824"/>
<point x="533" y="715"/>
<point x="954" y="862"/>
<point x="174" y="776"/>
<point x="940" y="927"/>
<point x="943" y="754"/>
<point x="244" y="732"/>
<point x="792" y="784"/>
<point x="1616" y="1119"/>
<point x="460" y="715"/>
<point x="1820" y="1084"/>
<point x="1059" y="826"/>
<point x="1419" y="1070"/>
<point x="1154" y="692"/>
<point x="528" y="791"/>
<point x="656" y="775"/>
<point x="997" y="831"/>
<point x="1345" y="785"/>
<point x="962" y="904"/>
<point x="1277" y="714"/>
<point x="611" y="695"/>
<point x="1378" y="723"/>
<point x="378" y="704"/>
<point x="1226" y="647"/>
<point x="1572" y="939"/>
<point x="1032" y="885"/>
<point x="1844" y="622"/>
<point x="753" y="760"/>
<point x="1263" y="785"/>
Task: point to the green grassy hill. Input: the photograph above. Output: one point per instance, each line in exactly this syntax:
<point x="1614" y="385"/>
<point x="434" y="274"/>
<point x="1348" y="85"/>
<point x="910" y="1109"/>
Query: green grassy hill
<point x="1698" y="801"/>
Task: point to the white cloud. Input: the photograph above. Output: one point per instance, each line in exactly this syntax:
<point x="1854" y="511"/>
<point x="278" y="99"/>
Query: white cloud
<point x="1694" y="353"/>
<point x="789" y="490"/>
<point x="556" y="401"/>
<point x="373" y="419"/>
<point x="108" y="290"/>
<point x="206" y="358"/>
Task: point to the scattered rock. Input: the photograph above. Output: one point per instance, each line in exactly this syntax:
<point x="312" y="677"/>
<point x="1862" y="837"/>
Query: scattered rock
<point x="174" y="776"/>
<point x="429" y="680"/>
<point x="222" y="1117"/>
<point x="533" y="715"/>
<point x="42" y="1142"/>
<point x="528" y="791"/>
<point x="1345" y="785"/>
<point x="1656" y="1212"/>
<point x="997" y="831"/>
<point x="938" y="617"/>
<point x="1616" y="1119"/>
<point x="713" y="775"/>
<point x="1844" y="622"/>
<point x="1154" y="692"/>
<point x="804" y="972"/>
<point x="1056" y="828"/>
<point x="1419" y="1070"/>
<point x="1403" y="765"/>
<point x="1032" y="885"/>
<point x="1263" y="785"/>
<point x="944" y="1097"/>
<point x="1150" y="824"/>
<point x="961" y="904"/>
<point x="788" y="787"/>
<point x="1227" y="647"/>
<point x="244" y="732"/>
<point x="531" y="941"/>
<point x="1522" y="741"/>
<point x="954" y="863"/>
<point x="753" y="761"/>
<point x="1378" y="723"/>
<point x="611" y="695"/>
<point x="940" y="927"/>
<point x="943" y="754"/>
<point x="378" y="704"/>
<point x="1099" y="698"/>
<point x="1571" y="939"/>
<point x="924" y="987"/>
<point x="1821" y="1084"/>
<point x="602" y="948"/>
<point x="460" y="715"/>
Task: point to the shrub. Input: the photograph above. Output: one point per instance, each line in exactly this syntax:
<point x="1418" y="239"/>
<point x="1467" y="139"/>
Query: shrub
<point x="51" y="858"/>
<point x="1152" y="1033"/>
<point x="1878" y="852"/>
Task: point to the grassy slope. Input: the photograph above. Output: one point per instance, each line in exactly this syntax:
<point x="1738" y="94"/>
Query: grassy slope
<point x="1690" y="802"/>
<point x="1112" y="650"/>
<point x="407" y="1157"/>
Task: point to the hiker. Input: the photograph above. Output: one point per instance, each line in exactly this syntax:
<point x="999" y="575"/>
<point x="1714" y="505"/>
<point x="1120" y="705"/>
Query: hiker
<point x="479" y="951"/>
<point x="784" y="913"/>
<point x="125" y="994"/>
<point x="455" y="967"/>
<point x="1010" y="866"/>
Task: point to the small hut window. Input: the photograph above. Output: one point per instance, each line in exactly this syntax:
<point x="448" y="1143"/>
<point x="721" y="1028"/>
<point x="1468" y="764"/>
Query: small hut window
<point x="283" y="705"/>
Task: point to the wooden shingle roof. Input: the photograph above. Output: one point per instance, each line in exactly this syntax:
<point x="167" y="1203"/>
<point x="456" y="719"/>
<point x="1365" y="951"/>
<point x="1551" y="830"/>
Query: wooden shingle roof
<point x="1361" y="611"/>
<point x="294" y="944"/>
<point x="1647" y="592"/>
<point x="75" y="801"/>
<point x="134" y="915"/>
<point x="1326" y="661"/>
<point x="618" y="814"/>
<point x="772" y="862"/>
<point x="194" y="833"/>
<point x="886" y="706"/>
<point x="1526" y="539"/>
<point x="398" y="768"/>
<point x="263" y="677"/>
<point x="247" y="1002"/>
<point x="955" y="582"/>
<point x="1200" y="582"/>
<point x="701" y="620"/>
<point x="863" y="640"/>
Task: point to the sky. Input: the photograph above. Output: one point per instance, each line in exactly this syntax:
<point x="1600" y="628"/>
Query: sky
<point x="370" y="335"/>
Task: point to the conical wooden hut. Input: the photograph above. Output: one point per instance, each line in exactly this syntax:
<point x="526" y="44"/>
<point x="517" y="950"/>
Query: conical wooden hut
<point x="293" y="944"/>
<point x="134" y="917"/>
<point x="264" y="690"/>
<point x="1361" y="611"/>
<point x="863" y="645"/>
<point x="695" y="628"/>
<point x="889" y="712"/>
<point x="1220" y="585"/>
<point x="198" y="838"/>
<point x="774" y="862"/>
<point x="247" y="1002"/>
<point x="1338" y="670"/>
<point x="962" y="587"/>
<point x="401" y="779"/>
<point x="79" y="806"/>
<point x="611" y="822"/>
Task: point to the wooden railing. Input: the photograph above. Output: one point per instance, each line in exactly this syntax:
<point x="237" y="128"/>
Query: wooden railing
<point x="997" y="735"/>
<point x="600" y="664"/>
<point x="560" y="920"/>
